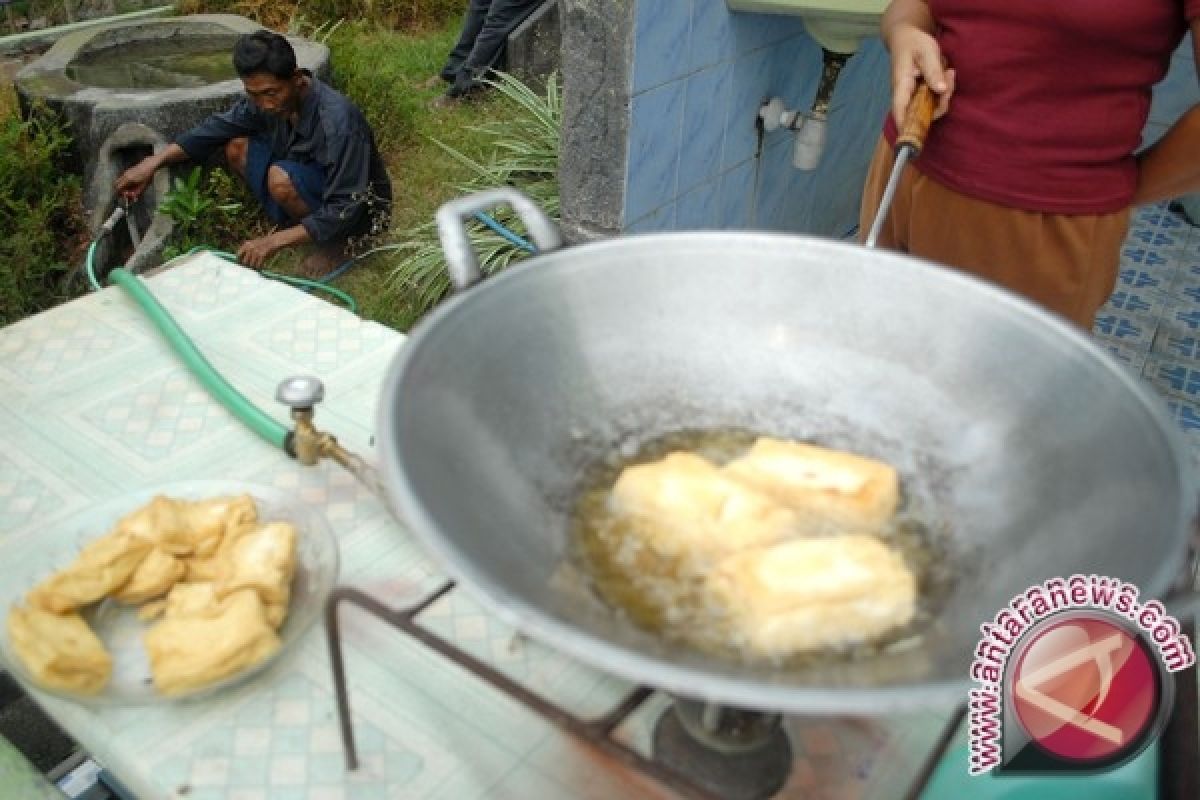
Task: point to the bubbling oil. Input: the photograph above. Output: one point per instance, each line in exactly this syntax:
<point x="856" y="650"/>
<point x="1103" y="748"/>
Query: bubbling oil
<point x="665" y="595"/>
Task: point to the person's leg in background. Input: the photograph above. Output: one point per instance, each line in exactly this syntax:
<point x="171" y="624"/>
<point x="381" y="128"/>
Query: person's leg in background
<point x="477" y="12"/>
<point x="503" y="17"/>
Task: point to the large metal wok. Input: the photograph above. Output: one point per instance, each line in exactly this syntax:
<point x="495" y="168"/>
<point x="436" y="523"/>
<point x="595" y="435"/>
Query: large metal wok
<point x="1025" y="445"/>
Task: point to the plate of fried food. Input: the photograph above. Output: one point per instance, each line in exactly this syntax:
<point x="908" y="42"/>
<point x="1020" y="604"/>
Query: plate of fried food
<point x="166" y="593"/>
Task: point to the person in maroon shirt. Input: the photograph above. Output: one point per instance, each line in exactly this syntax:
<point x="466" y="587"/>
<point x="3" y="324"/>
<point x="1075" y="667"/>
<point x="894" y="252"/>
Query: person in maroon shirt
<point x="1032" y="165"/>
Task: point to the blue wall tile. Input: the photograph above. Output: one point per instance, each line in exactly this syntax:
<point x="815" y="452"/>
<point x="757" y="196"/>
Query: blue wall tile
<point x="795" y="71"/>
<point x="712" y="40"/>
<point x="776" y="199"/>
<point x="705" y="104"/>
<point x="661" y="48"/>
<point x="752" y="31"/>
<point x="1175" y="94"/>
<point x="662" y="219"/>
<point x="749" y="86"/>
<point x="1178" y="91"/>
<point x="735" y="195"/>
<point x="654" y="144"/>
<point x="700" y="209"/>
<point x="1152" y="133"/>
<point x="692" y="139"/>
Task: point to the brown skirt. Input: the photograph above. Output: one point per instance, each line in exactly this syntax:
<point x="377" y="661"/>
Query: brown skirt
<point x="1065" y="262"/>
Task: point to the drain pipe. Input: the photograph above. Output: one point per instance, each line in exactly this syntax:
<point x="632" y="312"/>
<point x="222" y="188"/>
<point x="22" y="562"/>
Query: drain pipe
<point x="810" y="127"/>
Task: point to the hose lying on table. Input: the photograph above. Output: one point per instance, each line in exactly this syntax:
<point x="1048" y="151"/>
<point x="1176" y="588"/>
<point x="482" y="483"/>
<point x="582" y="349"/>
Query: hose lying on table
<point x="255" y="419"/>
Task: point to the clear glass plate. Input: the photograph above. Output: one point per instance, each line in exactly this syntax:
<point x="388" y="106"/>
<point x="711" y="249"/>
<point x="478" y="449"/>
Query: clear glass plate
<point x="41" y="553"/>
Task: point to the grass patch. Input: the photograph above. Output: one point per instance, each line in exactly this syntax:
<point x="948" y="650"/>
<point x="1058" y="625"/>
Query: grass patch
<point x="524" y="154"/>
<point x="383" y="71"/>
<point x="39" y="212"/>
<point x="409" y="15"/>
<point x="433" y="155"/>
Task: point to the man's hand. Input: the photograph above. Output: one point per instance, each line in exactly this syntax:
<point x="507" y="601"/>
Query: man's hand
<point x="133" y="181"/>
<point x="255" y="252"/>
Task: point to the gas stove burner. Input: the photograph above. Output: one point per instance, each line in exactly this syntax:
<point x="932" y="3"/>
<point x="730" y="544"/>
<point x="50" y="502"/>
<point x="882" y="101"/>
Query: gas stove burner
<point x="734" y="754"/>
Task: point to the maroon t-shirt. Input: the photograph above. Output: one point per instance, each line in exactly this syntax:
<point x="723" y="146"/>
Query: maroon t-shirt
<point x="1050" y="98"/>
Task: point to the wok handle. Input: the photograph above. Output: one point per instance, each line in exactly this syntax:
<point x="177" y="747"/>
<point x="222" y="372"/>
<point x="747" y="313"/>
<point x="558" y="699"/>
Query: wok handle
<point x="461" y="260"/>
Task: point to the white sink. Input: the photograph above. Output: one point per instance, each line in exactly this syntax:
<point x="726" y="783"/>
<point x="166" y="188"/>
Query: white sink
<point x="837" y="25"/>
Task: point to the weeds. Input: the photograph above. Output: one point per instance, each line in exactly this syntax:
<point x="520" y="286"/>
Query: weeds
<point x="209" y="210"/>
<point x="524" y="154"/>
<point x="39" y="211"/>
<point x="379" y="70"/>
<point x="410" y="15"/>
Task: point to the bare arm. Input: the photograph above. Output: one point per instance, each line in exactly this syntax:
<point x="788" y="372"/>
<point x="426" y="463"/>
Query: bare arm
<point x="908" y="31"/>
<point x="1171" y="167"/>
<point x="133" y="181"/>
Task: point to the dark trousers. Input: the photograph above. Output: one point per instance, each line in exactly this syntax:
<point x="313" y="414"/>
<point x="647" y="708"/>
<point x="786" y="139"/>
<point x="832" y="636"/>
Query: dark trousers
<point x="484" y="32"/>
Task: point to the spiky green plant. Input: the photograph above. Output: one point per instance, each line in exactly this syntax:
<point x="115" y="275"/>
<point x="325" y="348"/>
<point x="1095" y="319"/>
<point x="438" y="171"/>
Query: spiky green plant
<point x="524" y="154"/>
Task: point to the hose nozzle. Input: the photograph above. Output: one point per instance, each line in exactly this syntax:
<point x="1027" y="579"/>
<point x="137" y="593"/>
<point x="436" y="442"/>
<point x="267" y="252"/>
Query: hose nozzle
<point x="115" y="217"/>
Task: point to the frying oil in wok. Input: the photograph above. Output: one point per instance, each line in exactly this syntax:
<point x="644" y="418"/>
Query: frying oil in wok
<point x="664" y="596"/>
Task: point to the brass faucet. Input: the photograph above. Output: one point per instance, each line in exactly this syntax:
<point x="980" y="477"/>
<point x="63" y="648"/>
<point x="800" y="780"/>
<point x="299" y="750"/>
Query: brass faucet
<point x="309" y="445"/>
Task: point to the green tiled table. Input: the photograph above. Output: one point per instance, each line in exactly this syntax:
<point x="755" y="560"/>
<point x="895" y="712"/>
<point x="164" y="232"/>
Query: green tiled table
<point x="94" y="404"/>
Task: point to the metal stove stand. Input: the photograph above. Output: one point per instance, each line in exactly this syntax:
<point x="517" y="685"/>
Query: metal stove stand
<point x="594" y="732"/>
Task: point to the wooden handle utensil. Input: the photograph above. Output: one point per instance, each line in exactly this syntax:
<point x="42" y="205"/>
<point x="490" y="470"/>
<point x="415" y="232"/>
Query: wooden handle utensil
<point x="917" y="118"/>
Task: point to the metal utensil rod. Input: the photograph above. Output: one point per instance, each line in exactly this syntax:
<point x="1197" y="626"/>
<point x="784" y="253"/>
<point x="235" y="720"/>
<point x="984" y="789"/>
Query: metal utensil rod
<point x="909" y="141"/>
<point x="889" y="194"/>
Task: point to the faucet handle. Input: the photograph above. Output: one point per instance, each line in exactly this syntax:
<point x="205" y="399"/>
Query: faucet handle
<point x="300" y="392"/>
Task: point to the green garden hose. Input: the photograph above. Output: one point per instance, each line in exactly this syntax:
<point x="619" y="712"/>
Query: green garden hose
<point x="259" y="422"/>
<point x="304" y="282"/>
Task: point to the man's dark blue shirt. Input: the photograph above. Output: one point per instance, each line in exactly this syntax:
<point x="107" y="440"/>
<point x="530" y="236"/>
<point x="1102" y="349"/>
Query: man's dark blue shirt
<point x="332" y="134"/>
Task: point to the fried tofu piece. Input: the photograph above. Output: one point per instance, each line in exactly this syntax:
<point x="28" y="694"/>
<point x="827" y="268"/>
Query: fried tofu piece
<point x="263" y="559"/>
<point x="813" y="593"/>
<point x="276" y="614"/>
<point x="100" y="568"/>
<point x="159" y="523"/>
<point x="685" y="505"/>
<point x="188" y="652"/>
<point x="189" y="527"/>
<point x="206" y="567"/>
<point x="209" y="521"/>
<point x="153" y="578"/>
<point x="152" y="610"/>
<point x="59" y="650"/>
<point x="191" y="600"/>
<point x="846" y="491"/>
<point x="197" y="570"/>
